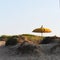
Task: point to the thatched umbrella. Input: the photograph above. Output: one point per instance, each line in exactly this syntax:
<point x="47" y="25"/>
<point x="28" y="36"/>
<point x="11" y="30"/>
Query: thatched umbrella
<point x="42" y="30"/>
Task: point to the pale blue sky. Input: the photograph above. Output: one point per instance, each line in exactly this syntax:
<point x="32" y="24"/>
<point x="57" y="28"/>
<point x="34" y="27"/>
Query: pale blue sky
<point x="22" y="16"/>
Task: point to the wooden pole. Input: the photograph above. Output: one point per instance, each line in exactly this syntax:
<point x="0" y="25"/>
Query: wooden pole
<point x="41" y="34"/>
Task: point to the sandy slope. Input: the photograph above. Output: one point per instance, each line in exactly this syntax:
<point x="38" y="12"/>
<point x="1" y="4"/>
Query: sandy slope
<point x="2" y="43"/>
<point x="9" y="53"/>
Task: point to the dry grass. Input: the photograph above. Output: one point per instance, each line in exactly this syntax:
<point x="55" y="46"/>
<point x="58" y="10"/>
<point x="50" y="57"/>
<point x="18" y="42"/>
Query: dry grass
<point x="33" y="38"/>
<point x="28" y="37"/>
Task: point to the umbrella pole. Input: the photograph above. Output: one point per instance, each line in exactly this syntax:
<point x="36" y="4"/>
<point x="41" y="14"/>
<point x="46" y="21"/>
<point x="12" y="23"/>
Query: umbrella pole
<point x="41" y="34"/>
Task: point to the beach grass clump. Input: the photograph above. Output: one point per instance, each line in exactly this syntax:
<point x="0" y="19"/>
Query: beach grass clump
<point x="11" y="41"/>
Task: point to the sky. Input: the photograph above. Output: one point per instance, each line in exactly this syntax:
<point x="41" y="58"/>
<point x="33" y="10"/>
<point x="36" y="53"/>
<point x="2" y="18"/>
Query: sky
<point x="23" y="16"/>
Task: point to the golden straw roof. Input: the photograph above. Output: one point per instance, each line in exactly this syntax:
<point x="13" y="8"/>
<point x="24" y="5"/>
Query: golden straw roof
<point x="42" y="30"/>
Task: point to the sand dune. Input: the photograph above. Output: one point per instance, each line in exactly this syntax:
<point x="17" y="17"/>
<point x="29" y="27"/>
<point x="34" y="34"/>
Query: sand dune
<point x="9" y="53"/>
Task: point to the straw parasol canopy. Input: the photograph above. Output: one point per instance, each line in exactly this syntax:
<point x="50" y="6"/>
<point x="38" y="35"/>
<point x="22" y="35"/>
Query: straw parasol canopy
<point x="42" y="30"/>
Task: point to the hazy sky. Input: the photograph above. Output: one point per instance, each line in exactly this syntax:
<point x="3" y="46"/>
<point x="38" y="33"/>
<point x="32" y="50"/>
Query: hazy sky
<point x="22" y="16"/>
